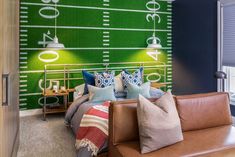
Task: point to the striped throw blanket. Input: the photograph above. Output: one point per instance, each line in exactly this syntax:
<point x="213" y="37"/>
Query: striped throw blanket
<point x="93" y="130"/>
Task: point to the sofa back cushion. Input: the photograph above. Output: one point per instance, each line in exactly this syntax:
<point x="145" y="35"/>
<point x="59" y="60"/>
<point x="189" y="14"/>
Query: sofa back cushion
<point x="200" y="111"/>
<point x="195" y="111"/>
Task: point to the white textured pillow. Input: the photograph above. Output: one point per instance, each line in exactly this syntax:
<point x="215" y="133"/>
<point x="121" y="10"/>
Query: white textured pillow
<point x="159" y="123"/>
<point x="118" y="84"/>
<point x="79" y="91"/>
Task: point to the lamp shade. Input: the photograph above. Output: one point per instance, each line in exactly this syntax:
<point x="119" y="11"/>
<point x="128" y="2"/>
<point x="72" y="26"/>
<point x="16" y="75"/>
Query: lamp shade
<point x="220" y="75"/>
<point x="154" y="44"/>
<point x="55" y="44"/>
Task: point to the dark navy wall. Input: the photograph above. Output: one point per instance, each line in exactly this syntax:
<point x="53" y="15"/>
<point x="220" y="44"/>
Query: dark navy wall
<point x="194" y="46"/>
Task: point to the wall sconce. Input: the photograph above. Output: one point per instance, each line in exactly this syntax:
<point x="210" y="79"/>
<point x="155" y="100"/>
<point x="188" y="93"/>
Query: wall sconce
<point x="154" y="43"/>
<point x="55" y="43"/>
<point x="153" y="46"/>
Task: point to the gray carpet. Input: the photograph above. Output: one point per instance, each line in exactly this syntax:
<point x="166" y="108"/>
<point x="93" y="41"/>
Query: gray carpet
<point x="48" y="138"/>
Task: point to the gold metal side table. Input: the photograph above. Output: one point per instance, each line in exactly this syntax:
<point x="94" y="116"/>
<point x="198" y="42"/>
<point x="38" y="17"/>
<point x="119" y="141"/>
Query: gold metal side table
<point x="51" y="108"/>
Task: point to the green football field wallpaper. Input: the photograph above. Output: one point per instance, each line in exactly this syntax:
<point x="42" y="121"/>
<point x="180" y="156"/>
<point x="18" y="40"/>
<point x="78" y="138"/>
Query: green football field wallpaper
<point x="92" y="31"/>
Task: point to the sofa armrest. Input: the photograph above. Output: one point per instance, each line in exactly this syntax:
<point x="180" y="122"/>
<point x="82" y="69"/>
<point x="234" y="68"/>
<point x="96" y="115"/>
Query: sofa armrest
<point x="123" y="125"/>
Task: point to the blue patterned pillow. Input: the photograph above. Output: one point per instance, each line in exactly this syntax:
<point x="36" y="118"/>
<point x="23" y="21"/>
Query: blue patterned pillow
<point x="105" y="79"/>
<point x="134" y="78"/>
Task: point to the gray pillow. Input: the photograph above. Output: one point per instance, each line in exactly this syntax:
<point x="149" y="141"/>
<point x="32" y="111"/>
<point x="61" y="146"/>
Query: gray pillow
<point x="133" y="90"/>
<point x="101" y="94"/>
<point x="159" y="123"/>
<point x="120" y="94"/>
<point x="156" y="93"/>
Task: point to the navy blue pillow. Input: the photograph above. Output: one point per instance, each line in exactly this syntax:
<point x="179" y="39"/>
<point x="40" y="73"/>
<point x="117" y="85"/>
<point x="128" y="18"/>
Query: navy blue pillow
<point x="89" y="79"/>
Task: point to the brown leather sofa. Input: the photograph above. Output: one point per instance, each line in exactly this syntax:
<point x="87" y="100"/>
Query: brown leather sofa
<point x="206" y="124"/>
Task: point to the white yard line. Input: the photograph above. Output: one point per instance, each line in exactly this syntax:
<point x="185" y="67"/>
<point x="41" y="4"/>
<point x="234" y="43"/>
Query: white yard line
<point x="94" y="8"/>
<point x="97" y="48"/>
<point x="96" y="28"/>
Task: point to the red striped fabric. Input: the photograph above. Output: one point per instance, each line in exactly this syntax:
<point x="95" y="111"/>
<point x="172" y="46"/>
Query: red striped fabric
<point x="93" y="130"/>
<point x="97" y="113"/>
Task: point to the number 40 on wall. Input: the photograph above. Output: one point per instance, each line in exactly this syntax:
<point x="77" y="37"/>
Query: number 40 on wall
<point x="46" y="39"/>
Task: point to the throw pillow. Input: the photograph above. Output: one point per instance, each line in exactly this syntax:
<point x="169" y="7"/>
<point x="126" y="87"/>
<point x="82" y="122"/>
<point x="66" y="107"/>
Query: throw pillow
<point x="133" y="90"/>
<point x="97" y="94"/>
<point x="134" y="78"/>
<point x="118" y="83"/>
<point x="159" y="123"/>
<point x="89" y="79"/>
<point x="104" y="79"/>
<point x="156" y="93"/>
<point x="120" y="94"/>
<point x="79" y="90"/>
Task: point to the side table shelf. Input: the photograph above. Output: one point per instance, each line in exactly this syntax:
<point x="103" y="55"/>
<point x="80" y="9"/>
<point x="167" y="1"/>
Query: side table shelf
<point x="54" y="108"/>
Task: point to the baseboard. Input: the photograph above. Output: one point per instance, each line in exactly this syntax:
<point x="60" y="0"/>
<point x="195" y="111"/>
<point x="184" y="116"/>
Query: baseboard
<point x="33" y="112"/>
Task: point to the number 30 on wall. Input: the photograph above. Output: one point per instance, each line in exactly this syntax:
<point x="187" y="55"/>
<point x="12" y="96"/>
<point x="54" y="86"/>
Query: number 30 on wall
<point x="153" y="6"/>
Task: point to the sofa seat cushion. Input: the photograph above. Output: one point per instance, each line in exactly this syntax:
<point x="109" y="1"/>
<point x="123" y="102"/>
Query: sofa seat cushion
<point x="222" y="153"/>
<point x="199" y="142"/>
